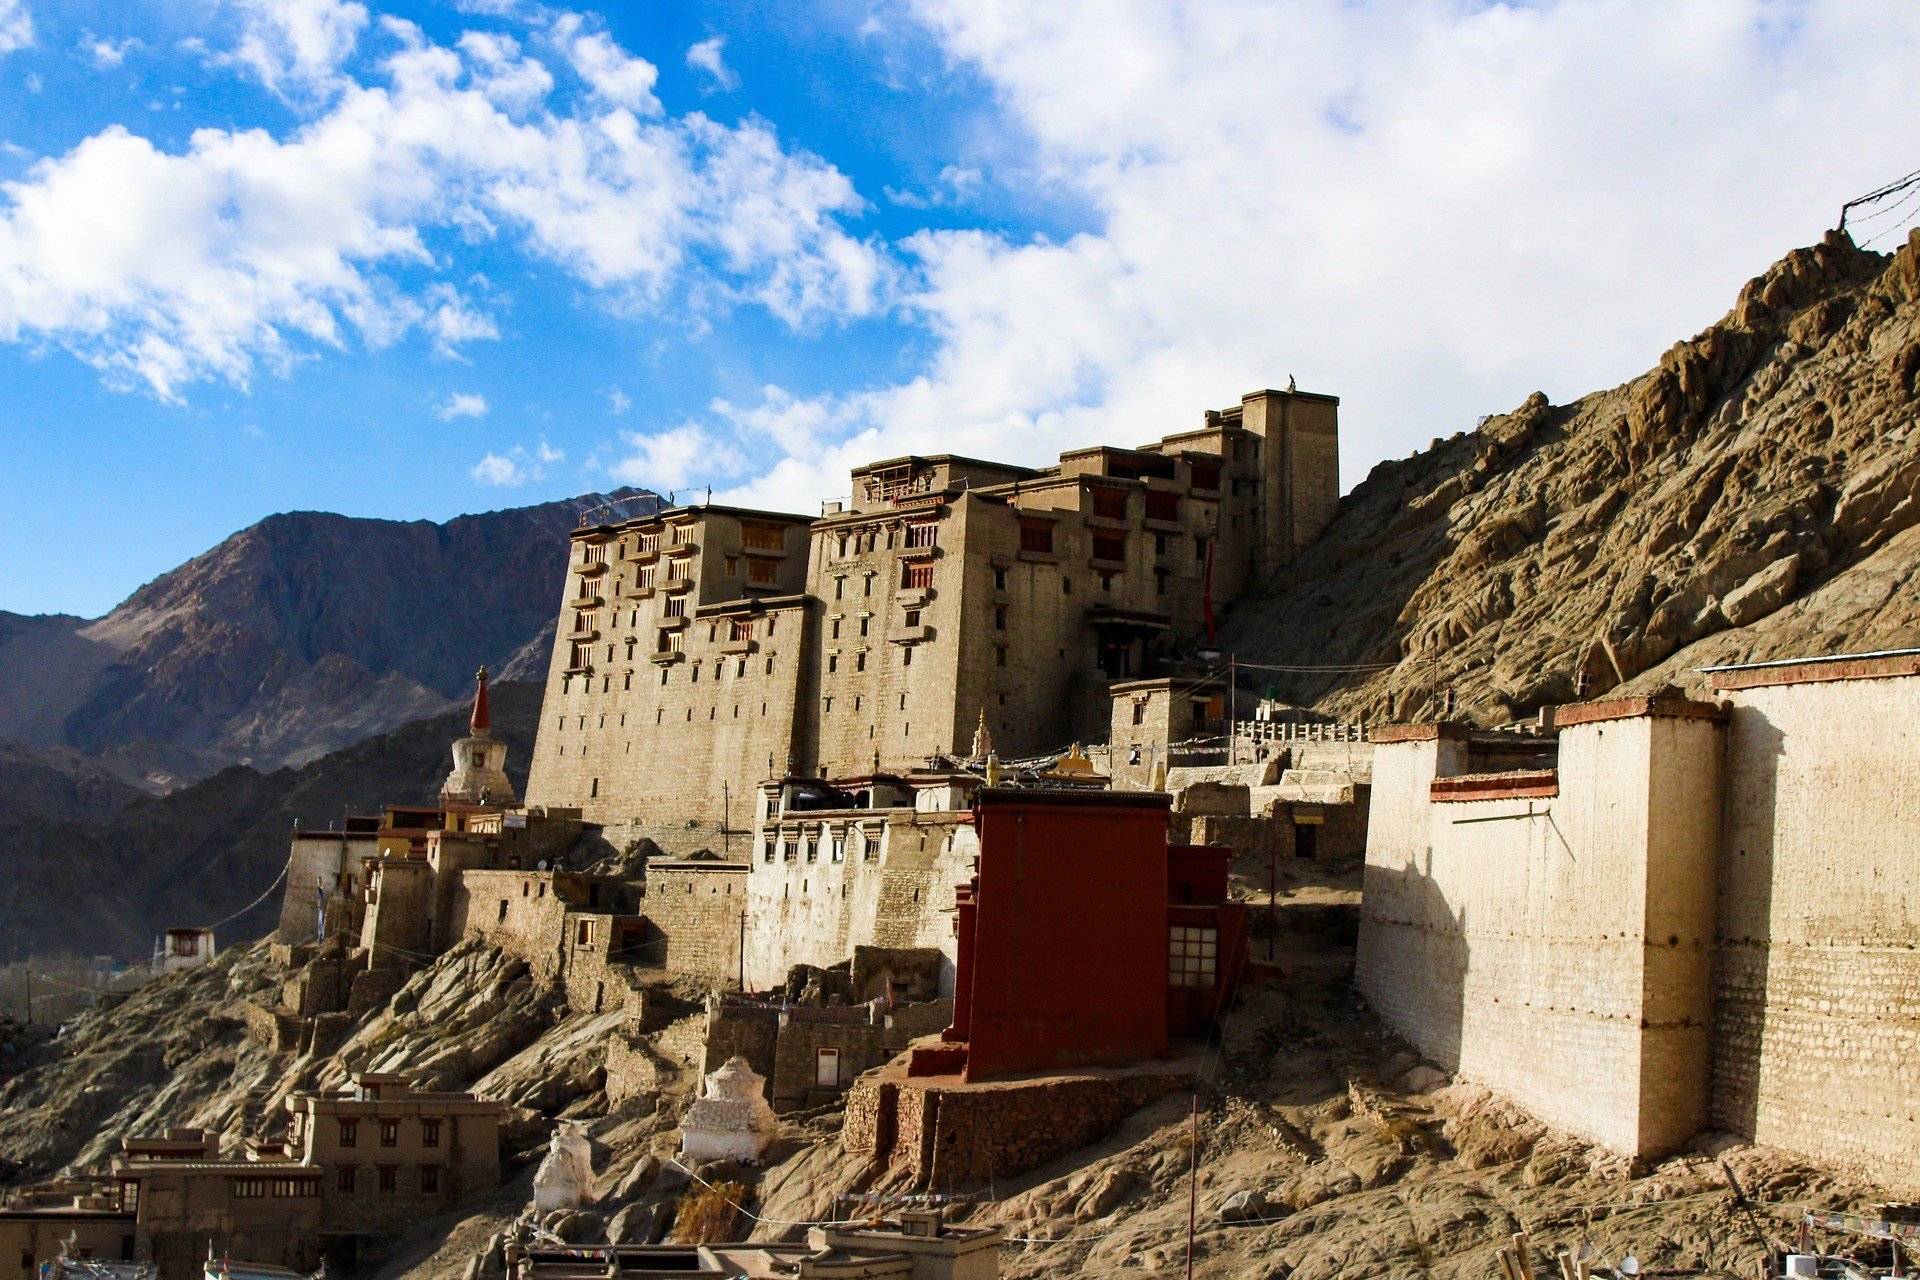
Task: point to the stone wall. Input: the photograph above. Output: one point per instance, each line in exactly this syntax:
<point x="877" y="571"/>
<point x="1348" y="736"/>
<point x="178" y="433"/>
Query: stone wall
<point x="1817" y="1020"/>
<point x="319" y="864"/>
<point x="944" y="1137"/>
<point x="694" y="910"/>
<point x="516" y="911"/>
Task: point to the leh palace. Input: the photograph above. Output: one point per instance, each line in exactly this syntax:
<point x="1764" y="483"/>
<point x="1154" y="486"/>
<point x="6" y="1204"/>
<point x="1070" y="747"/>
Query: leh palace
<point x="920" y="889"/>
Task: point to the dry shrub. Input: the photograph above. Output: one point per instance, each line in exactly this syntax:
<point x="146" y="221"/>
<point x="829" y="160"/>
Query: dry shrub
<point x="706" y="1215"/>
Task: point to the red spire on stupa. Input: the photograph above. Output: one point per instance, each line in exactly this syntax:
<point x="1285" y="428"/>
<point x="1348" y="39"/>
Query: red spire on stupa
<point x="482" y="719"/>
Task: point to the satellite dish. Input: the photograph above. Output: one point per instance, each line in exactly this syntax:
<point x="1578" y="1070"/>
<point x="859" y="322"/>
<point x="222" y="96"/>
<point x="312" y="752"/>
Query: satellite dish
<point x="1630" y="1266"/>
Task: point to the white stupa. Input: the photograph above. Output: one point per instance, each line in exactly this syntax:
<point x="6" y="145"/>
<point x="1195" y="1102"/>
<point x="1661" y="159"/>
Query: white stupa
<point x="731" y="1119"/>
<point x="564" y="1179"/>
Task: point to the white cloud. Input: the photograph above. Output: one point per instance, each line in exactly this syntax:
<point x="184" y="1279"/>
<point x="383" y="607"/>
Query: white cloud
<point x="107" y="53"/>
<point x="1430" y="209"/>
<point x="462" y="404"/>
<point x="618" y="401"/>
<point x="298" y="46"/>
<point x="612" y="72"/>
<point x="517" y="466"/>
<point x="16" y="26"/>
<point x="687" y="454"/>
<point x="955" y="185"/>
<point x="246" y="249"/>
<point x="706" y="56"/>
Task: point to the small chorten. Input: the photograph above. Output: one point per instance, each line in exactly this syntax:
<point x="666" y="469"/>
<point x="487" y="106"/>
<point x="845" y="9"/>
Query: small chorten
<point x="479" y="774"/>
<point x="731" y="1119"/>
<point x="565" y="1177"/>
<point x="982" y="739"/>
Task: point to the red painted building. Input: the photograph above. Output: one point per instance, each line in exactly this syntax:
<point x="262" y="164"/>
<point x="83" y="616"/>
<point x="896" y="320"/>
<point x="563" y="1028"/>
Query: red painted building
<point x="1084" y="938"/>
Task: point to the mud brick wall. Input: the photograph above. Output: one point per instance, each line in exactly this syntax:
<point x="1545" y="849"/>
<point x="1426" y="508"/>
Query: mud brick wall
<point x="696" y="913"/>
<point x="1817" y="982"/>
<point x="1518" y="941"/>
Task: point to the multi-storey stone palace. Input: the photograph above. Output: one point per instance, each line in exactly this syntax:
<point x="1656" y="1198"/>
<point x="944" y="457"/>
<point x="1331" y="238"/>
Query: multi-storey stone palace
<point x="705" y="649"/>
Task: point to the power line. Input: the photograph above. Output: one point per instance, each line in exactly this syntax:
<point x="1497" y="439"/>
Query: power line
<point x="1898" y="184"/>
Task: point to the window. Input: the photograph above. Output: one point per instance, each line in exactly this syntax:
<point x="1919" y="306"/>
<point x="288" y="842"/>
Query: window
<point x="769" y="850"/>
<point x="389" y="1178"/>
<point x="1163" y="506"/>
<point x="999" y="655"/>
<point x="593" y="789"/>
<point x="826" y="1068"/>
<point x="1190" y="956"/>
<point x="646" y="576"/>
<point x="501" y="918"/>
<point x="350" y="1129"/>
<point x="429" y="1133"/>
<point x="1000" y="617"/>
<point x="1110" y="546"/>
<point x="913" y="617"/>
<point x="1199" y="549"/>
<point x="344" y="1176"/>
<point x="839" y="588"/>
<point x="1110" y="504"/>
<point x="676" y="607"/>
<point x="865" y="620"/>
<point x="906" y="655"/>
<point x="760" y="572"/>
<point x="999" y="579"/>
<point x="860" y="661"/>
<point x="833" y="663"/>
<point x="1139" y="713"/>
<point x="834" y="630"/>
<point x="389" y="1133"/>
<point x="839" y="846"/>
<point x="787" y="850"/>
<point x="429" y="1179"/>
<point x="1036" y="536"/>
<point x="763" y="537"/>
<point x="922" y="533"/>
<point x="1159" y="582"/>
<point x="866" y="583"/>
<point x="1206" y="476"/>
<point x="812" y="844"/>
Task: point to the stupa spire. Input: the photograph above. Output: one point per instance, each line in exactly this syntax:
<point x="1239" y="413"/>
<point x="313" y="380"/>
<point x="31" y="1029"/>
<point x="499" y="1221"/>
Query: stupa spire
<point x="481" y="721"/>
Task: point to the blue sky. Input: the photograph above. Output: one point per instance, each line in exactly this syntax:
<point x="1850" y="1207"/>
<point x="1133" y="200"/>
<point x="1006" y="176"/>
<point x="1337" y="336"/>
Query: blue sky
<point x="414" y="259"/>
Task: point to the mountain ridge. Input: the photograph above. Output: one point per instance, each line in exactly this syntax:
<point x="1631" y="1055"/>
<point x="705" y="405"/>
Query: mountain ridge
<point x="297" y="635"/>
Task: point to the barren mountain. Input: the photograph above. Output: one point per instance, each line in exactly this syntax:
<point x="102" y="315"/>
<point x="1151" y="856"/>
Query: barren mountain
<point x="1756" y="495"/>
<point x="204" y="851"/>
<point x="293" y="637"/>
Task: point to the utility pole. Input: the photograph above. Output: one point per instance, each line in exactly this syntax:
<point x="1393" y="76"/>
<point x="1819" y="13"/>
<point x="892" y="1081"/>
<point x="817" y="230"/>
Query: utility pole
<point x="743" y="949"/>
<point x="1193" y="1178"/>
<point x="726" y="816"/>
<point x="1233" y="688"/>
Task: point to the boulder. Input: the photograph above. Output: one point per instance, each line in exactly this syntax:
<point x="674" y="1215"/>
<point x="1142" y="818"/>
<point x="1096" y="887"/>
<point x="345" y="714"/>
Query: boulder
<point x="1246" y="1205"/>
<point x="1761" y="594"/>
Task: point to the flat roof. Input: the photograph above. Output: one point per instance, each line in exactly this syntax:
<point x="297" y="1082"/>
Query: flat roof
<point x="1073" y="797"/>
<point x="1879" y="665"/>
<point x="909" y="459"/>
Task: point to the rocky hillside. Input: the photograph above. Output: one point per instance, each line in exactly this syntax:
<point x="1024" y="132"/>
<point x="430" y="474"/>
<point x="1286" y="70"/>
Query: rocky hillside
<point x="197" y="854"/>
<point x="1755" y="495"/>
<point x="299" y="635"/>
